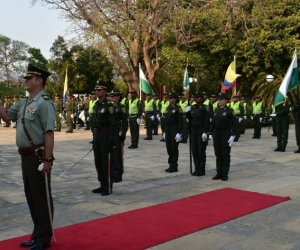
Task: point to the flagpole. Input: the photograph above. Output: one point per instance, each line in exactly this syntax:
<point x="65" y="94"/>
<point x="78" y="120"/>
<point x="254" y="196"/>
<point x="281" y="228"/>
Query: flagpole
<point x="234" y="89"/>
<point x="140" y="86"/>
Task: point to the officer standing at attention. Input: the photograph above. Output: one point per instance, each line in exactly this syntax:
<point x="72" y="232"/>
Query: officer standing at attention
<point x="36" y="115"/>
<point x="238" y="108"/>
<point x="124" y="101"/>
<point x="7" y="104"/>
<point x="208" y="104"/>
<point x="223" y="127"/>
<point x="86" y="112"/>
<point x="150" y="114"/>
<point x="70" y="109"/>
<point x="273" y="120"/>
<point x="58" y="110"/>
<point x="91" y="105"/>
<point x="282" y="125"/>
<point x="104" y="130"/>
<point x="214" y="102"/>
<point x="258" y="114"/>
<point x="164" y="104"/>
<point x="80" y="108"/>
<point x="198" y="115"/>
<point x="173" y="132"/>
<point x="184" y="103"/>
<point x="134" y="114"/>
<point x="244" y="121"/>
<point x="296" y="113"/>
<point x="156" y="119"/>
<point x="120" y="136"/>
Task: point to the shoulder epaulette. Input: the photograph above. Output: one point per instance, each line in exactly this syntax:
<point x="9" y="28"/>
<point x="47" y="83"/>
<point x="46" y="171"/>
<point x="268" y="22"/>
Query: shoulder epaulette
<point x="45" y="97"/>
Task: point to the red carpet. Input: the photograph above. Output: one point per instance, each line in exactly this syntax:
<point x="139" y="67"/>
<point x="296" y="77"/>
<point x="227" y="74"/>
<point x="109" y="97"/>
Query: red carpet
<point x="147" y="227"/>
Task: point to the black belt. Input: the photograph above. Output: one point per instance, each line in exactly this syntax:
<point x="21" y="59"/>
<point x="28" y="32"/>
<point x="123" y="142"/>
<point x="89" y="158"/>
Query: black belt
<point x="30" y="150"/>
<point x="100" y="129"/>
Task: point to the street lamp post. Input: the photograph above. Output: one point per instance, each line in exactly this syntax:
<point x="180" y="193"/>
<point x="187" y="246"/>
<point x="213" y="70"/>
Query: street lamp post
<point x="269" y="79"/>
<point x="191" y="80"/>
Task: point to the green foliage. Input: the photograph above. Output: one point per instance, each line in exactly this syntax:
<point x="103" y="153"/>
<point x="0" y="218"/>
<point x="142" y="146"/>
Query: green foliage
<point x="36" y="58"/>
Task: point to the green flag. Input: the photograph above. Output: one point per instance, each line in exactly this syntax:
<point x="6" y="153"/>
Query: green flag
<point x="290" y="81"/>
<point x="144" y="85"/>
<point x="186" y="82"/>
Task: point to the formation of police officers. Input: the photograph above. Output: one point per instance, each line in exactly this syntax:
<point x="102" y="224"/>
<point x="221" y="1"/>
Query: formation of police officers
<point x="200" y="118"/>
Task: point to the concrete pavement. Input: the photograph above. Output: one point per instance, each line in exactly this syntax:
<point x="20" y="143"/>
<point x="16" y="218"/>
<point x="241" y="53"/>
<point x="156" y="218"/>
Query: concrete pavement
<point x="254" y="167"/>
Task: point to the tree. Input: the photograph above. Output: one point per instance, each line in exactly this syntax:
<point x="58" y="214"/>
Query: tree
<point x="36" y="58"/>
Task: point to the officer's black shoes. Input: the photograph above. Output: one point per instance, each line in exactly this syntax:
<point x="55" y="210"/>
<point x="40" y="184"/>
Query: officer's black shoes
<point x="283" y="150"/>
<point x="69" y="131"/>
<point x="217" y="177"/>
<point x="105" y="191"/>
<point x="147" y="138"/>
<point x="171" y="170"/>
<point x="194" y="173"/>
<point x="297" y="151"/>
<point x="117" y="179"/>
<point x="236" y="139"/>
<point x="258" y="137"/>
<point x="277" y="149"/>
<point x="132" y="146"/>
<point x="28" y="243"/>
<point x="183" y="142"/>
<point x="224" y="177"/>
<point x="155" y="134"/>
<point x="163" y="140"/>
<point x="91" y="142"/>
<point x="39" y="246"/>
<point x="98" y="190"/>
<point x="86" y="129"/>
<point x="254" y="137"/>
<point x="198" y="173"/>
<point x="273" y="135"/>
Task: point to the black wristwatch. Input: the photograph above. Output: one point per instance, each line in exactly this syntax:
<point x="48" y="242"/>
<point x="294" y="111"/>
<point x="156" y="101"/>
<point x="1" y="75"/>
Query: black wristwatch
<point x="48" y="160"/>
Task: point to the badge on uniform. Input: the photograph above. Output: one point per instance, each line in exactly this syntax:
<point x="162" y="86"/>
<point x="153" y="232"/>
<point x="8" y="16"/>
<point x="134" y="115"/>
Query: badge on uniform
<point x="224" y="114"/>
<point x="173" y="111"/>
<point x="102" y="110"/>
<point x="111" y="110"/>
<point x="123" y="110"/>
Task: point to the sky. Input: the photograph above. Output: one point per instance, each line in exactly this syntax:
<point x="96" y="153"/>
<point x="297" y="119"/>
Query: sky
<point x="38" y="26"/>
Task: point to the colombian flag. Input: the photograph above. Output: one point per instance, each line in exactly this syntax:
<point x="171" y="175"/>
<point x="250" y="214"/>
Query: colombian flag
<point x="66" y="89"/>
<point x="230" y="77"/>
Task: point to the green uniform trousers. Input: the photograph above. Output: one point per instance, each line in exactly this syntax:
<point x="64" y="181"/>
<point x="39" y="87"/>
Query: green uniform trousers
<point x="134" y="129"/>
<point x="117" y="159"/>
<point x="70" y="121"/>
<point x="198" y="149"/>
<point x="297" y="132"/>
<point x="172" y="146"/>
<point x="35" y="192"/>
<point x="149" y="125"/>
<point x="185" y="129"/>
<point x="257" y="126"/>
<point x="222" y="151"/>
<point x="58" y="121"/>
<point x="238" y="128"/>
<point x="274" y="127"/>
<point x="282" y="126"/>
<point x="155" y="126"/>
<point x="100" y="141"/>
<point x="163" y="124"/>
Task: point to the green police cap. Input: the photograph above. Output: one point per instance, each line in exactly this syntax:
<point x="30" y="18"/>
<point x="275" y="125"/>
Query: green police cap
<point x="35" y="71"/>
<point x="114" y="92"/>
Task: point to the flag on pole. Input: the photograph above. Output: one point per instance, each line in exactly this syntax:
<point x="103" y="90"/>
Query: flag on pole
<point x="186" y="82"/>
<point x="66" y="89"/>
<point x="230" y="77"/>
<point x="144" y="84"/>
<point x="290" y="81"/>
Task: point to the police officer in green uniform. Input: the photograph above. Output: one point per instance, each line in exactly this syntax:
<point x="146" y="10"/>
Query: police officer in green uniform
<point x="70" y="109"/>
<point x="91" y="106"/>
<point x="80" y="109"/>
<point x="258" y="109"/>
<point x="273" y="120"/>
<point x="7" y="104"/>
<point x="58" y="110"/>
<point x="198" y="115"/>
<point x="208" y="104"/>
<point x="134" y="114"/>
<point x="223" y="127"/>
<point x="238" y="108"/>
<point x="282" y="125"/>
<point x="173" y="132"/>
<point x="214" y="102"/>
<point x="157" y="117"/>
<point x="86" y="112"/>
<point x="121" y="117"/>
<point x="124" y="101"/>
<point x="150" y="114"/>
<point x="162" y="114"/>
<point x="104" y="131"/>
<point x="244" y="121"/>
<point x="296" y="113"/>
<point x="184" y="103"/>
<point x="36" y="115"/>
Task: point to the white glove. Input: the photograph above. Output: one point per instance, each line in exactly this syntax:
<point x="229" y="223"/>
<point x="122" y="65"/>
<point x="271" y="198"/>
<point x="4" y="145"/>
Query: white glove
<point x="88" y="119"/>
<point x="178" y="137"/>
<point x="270" y="119"/>
<point x="138" y="121"/>
<point x="240" y="119"/>
<point x="245" y="117"/>
<point x="230" y="141"/>
<point x="210" y="119"/>
<point x="210" y="137"/>
<point x="188" y="109"/>
<point x="251" y="117"/>
<point x="272" y="115"/>
<point x="164" y="135"/>
<point x="187" y="120"/>
<point x="59" y="115"/>
<point x="152" y="118"/>
<point x="157" y="116"/>
<point x="260" y="119"/>
<point x="143" y="115"/>
<point x="72" y="116"/>
<point x="204" y="137"/>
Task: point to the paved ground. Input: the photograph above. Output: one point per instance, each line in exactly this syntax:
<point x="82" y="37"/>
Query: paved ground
<point x="255" y="167"/>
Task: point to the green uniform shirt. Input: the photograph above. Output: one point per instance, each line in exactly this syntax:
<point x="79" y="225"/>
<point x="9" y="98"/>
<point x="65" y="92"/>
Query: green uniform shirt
<point x="39" y="118"/>
<point x="58" y="106"/>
